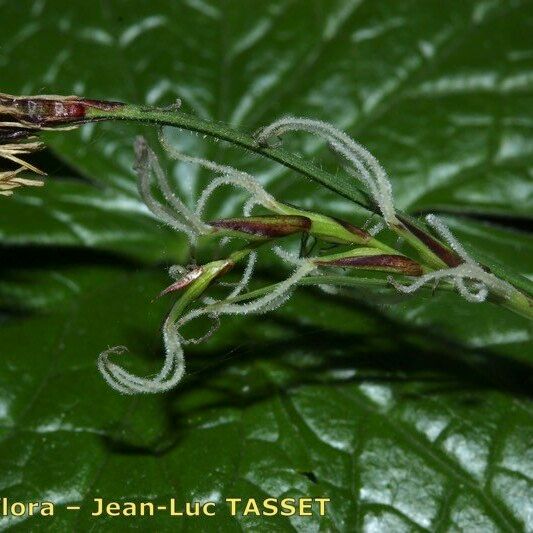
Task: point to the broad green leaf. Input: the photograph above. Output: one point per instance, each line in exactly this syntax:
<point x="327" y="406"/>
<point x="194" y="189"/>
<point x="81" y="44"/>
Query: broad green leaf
<point x="408" y="417"/>
<point x="76" y="215"/>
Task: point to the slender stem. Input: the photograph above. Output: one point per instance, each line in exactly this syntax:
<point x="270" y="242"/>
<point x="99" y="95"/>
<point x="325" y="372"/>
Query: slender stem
<point x="341" y="184"/>
<point x="337" y="281"/>
<point x="520" y="303"/>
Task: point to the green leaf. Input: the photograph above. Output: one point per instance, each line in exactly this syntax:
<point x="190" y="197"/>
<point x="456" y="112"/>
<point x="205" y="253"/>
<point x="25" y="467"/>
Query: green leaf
<point x="409" y="417"/>
<point x="71" y="214"/>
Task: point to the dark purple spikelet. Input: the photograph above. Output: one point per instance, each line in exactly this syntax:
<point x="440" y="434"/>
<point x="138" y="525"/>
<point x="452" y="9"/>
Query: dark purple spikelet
<point x="449" y="257"/>
<point x="265" y="226"/>
<point x="396" y="263"/>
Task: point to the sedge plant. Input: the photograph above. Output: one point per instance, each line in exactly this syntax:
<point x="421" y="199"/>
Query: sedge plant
<point x="435" y="257"/>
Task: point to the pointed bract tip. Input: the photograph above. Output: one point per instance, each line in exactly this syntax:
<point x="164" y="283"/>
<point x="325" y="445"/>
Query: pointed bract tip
<point x="183" y="282"/>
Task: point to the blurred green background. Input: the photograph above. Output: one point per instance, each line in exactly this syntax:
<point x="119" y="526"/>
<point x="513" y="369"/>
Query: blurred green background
<point x="409" y="417"/>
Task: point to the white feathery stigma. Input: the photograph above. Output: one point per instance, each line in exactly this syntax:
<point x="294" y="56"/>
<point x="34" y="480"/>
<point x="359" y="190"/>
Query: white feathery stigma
<point x="480" y="281"/>
<point x="168" y="377"/>
<point x="364" y="166"/>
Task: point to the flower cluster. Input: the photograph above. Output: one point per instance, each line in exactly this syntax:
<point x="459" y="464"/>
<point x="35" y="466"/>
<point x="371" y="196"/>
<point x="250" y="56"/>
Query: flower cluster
<point x="359" y="249"/>
<point x="282" y="221"/>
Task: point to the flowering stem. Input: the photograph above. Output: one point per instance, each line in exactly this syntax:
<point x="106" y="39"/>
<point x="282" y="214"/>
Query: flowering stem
<point x="336" y="281"/>
<point x="433" y="254"/>
<point x="341" y="184"/>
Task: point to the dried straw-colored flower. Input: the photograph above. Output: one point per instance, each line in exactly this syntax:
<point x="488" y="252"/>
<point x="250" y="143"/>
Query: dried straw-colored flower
<point x="22" y="118"/>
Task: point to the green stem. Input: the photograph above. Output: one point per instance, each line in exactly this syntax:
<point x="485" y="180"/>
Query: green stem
<point x="337" y="281"/>
<point x="519" y="303"/>
<point x="430" y="259"/>
<point x="341" y="184"/>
